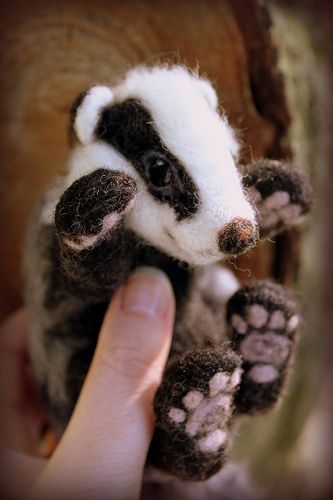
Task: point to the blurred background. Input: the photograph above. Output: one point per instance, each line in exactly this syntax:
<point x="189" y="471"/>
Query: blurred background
<point x="271" y="65"/>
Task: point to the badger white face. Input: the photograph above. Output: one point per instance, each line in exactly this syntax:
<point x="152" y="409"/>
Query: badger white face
<point x="161" y="127"/>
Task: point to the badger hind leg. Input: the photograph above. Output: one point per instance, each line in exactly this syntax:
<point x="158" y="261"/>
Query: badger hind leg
<point x="263" y="328"/>
<point x="194" y="408"/>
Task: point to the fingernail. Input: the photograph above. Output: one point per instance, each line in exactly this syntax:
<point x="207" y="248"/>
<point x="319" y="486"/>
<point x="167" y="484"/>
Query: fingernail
<point x="147" y="292"/>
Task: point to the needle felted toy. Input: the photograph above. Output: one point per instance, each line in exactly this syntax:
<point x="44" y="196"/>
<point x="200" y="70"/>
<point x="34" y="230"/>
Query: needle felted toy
<point x="154" y="180"/>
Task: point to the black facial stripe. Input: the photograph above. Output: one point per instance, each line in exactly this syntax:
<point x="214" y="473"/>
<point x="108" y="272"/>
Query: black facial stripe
<point x="129" y="128"/>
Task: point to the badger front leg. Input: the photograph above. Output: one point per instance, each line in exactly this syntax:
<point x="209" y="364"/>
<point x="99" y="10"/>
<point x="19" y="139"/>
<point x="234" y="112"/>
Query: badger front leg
<point x="73" y="268"/>
<point x="95" y="254"/>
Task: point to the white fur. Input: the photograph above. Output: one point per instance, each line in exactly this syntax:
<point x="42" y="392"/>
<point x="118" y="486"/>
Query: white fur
<point x="181" y="107"/>
<point x="207" y="91"/>
<point x="88" y="112"/>
<point x="217" y="283"/>
<point x="50" y="200"/>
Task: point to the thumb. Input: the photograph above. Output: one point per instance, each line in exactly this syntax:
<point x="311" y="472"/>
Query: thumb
<point x="111" y="428"/>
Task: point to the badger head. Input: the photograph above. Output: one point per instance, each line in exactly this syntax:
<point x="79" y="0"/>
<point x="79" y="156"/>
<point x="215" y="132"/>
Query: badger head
<point x="162" y="127"/>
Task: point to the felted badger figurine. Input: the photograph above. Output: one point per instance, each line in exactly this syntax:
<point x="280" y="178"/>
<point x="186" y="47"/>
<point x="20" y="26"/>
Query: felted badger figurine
<point x="153" y="180"/>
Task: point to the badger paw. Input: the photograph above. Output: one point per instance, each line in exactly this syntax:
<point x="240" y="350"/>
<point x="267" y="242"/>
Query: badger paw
<point x="92" y="206"/>
<point x="262" y="322"/>
<point x="194" y="409"/>
<point x="203" y="417"/>
<point x="281" y="193"/>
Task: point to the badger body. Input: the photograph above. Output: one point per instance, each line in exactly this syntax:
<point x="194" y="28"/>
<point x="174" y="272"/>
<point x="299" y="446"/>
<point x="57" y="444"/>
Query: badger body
<point x="153" y="180"/>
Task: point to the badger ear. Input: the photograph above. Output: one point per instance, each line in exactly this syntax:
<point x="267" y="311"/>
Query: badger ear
<point x="208" y="92"/>
<point x="86" y="110"/>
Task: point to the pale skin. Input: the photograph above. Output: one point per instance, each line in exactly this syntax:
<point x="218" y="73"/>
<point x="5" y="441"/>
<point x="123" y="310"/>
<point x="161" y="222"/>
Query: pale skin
<point x="103" y="450"/>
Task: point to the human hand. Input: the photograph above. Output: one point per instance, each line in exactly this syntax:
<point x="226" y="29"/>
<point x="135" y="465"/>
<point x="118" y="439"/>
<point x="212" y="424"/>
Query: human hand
<point x="103" y="450"/>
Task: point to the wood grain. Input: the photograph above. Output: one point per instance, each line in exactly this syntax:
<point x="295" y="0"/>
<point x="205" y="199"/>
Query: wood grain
<point x="53" y="50"/>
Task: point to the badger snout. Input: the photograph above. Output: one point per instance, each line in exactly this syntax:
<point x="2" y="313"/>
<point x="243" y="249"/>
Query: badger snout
<point x="237" y="236"/>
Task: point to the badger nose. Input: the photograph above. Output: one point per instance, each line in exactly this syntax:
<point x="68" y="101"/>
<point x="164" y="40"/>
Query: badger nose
<point x="237" y="236"/>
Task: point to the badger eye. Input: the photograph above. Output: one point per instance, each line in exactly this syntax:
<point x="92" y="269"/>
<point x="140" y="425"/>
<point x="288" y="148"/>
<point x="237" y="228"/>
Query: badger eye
<point x="158" y="169"/>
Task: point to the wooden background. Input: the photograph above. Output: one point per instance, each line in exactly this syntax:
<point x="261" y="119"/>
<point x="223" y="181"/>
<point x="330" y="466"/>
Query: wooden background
<point x="53" y="50"/>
